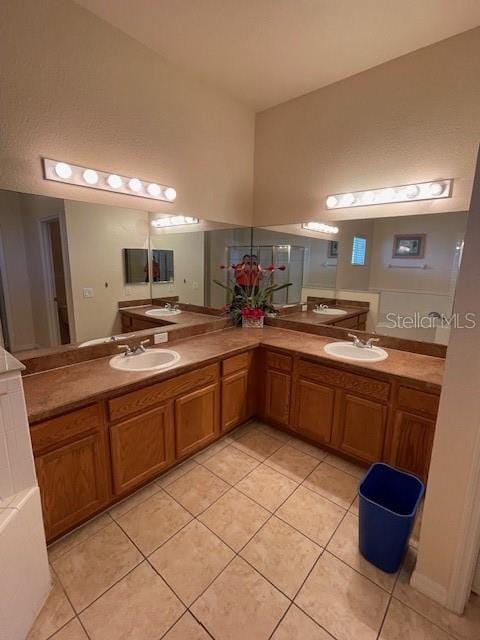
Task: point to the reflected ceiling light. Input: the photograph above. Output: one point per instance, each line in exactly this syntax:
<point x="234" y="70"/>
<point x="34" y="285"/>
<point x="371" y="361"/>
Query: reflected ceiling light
<point x="388" y="195"/>
<point x="319" y="227"/>
<point x="87" y="177"/>
<point x="174" y="221"/>
<point x="114" y="181"/>
<point x="90" y="176"/>
<point x="63" y="170"/>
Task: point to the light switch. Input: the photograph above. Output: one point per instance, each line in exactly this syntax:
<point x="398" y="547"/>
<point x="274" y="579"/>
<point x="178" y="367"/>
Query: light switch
<point x="88" y="292"/>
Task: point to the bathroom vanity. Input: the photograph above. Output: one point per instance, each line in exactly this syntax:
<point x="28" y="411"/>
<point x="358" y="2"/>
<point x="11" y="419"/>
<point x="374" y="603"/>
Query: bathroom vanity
<point x="98" y="433"/>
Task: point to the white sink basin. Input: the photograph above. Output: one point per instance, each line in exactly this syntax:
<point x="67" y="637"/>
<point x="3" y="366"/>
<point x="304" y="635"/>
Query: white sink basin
<point x="330" y="311"/>
<point x="150" y="360"/>
<point x="348" y="351"/>
<point x="159" y="313"/>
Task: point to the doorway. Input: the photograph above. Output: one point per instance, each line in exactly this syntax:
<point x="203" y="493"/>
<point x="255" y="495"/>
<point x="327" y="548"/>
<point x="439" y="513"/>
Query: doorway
<point x="55" y="285"/>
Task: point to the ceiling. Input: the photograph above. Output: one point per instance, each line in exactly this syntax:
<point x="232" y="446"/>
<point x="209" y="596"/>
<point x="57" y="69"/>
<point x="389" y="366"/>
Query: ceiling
<point x="264" y="52"/>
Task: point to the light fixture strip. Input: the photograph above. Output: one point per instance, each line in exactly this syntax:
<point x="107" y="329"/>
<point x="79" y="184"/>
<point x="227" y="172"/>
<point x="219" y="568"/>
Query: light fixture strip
<point x="79" y="176"/>
<point x="173" y="221"/>
<point x="414" y="192"/>
<point x="320" y="227"/>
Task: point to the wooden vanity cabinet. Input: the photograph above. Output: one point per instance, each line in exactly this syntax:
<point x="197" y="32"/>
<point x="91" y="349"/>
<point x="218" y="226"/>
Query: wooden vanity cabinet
<point x="277" y="387"/>
<point x="71" y="461"/>
<point x="361" y="427"/>
<point x="313" y="412"/>
<point x="196" y="419"/>
<point x="238" y="390"/>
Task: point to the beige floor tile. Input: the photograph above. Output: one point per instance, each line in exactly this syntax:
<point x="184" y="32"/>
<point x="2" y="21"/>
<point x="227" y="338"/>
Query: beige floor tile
<point x="283" y="436"/>
<point x="334" y="484"/>
<point x="345" y="603"/>
<point x="257" y="444"/>
<point x="134" y="500"/>
<point x="345" y="465"/>
<point x="93" y="566"/>
<point x="296" y="625"/>
<point x="240" y="604"/>
<point x="311" y="514"/>
<point x="66" y="543"/>
<point x="267" y="487"/>
<point x="176" y="473"/>
<point x="55" y="613"/>
<point x="71" y="631"/>
<point x="191" y="560"/>
<point x="282" y="555"/>
<point x="344" y="545"/>
<point x="231" y="464"/>
<point x="466" y="627"/>
<point x="242" y="430"/>
<point x="153" y="521"/>
<point x="210" y="451"/>
<point x="197" y="489"/>
<point x="235" y="518"/>
<point x="292" y="463"/>
<point x="354" y="508"/>
<point x="187" y="628"/>
<point x="402" y="623"/>
<point x="311" y="449"/>
<point x="139" y="607"/>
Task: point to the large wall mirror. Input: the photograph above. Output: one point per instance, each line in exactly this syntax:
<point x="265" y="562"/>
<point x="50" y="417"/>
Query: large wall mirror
<point x="404" y="267"/>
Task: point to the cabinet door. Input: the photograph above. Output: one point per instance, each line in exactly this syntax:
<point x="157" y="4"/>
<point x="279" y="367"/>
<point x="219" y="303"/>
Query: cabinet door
<point x="313" y="409"/>
<point x="73" y="483"/>
<point x="141" y="448"/>
<point x="412" y="441"/>
<point x="196" y="419"/>
<point x="277" y="396"/>
<point x="361" y="427"/>
<point x="234" y="399"/>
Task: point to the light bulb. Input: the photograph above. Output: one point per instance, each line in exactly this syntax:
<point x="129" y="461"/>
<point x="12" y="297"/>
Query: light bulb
<point x="153" y="189"/>
<point x="435" y="189"/>
<point x="90" y="176"/>
<point x="114" y="181"/>
<point x="412" y="191"/>
<point x="134" y="185"/>
<point x="368" y="197"/>
<point x="332" y="201"/>
<point x="170" y="194"/>
<point x="348" y="199"/>
<point x="63" y="170"/>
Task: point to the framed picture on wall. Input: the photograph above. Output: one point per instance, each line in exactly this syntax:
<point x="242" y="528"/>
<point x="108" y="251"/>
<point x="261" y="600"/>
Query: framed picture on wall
<point x="332" y="251"/>
<point x="409" y="246"/>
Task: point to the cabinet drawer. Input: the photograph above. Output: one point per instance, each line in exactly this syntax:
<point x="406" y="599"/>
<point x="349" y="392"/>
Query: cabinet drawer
<point x="51" y="434"/>
<point x="418" y="401"/>
<point x="236" y="363"/>
<point x="142" y="399"/>
<point x="362" y="385"/>
<point x="278" y="361"/>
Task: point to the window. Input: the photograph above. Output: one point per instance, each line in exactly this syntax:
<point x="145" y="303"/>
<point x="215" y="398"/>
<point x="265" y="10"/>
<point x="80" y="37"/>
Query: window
<point x="359" y="250"/>
<point x="162" y="265"/>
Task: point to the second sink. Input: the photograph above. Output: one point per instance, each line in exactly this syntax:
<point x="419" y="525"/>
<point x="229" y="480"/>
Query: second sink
<point x="149" y="360"/>
<point x="158" y="313"/>
<point x="348" y="351"/>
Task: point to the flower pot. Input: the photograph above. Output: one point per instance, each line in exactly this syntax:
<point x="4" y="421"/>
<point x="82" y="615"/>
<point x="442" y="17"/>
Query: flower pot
<point x="252" y="323"/>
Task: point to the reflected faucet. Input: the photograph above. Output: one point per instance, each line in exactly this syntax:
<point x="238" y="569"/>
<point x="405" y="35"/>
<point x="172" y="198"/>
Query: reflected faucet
<point x="135" y="350"/>
<point x="319" y="307"/>
<point x="363" y="344"/>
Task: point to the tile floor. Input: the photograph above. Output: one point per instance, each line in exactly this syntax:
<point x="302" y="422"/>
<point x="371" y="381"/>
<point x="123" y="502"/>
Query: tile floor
<point x="254" y="538"/>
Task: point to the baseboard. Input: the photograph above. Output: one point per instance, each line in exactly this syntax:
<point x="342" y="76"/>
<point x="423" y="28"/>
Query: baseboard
<point x="429" y="588"/>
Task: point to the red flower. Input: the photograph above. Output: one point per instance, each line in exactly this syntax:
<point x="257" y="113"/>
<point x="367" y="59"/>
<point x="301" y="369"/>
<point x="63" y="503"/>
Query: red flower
<point x="252" y="312"/>
<point x="271" y="268"/>
<point x="282" y="267"/>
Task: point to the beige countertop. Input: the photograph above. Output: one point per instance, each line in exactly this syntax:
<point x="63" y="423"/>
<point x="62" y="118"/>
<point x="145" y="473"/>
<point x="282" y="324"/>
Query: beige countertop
<point x="310" y="317"/>
<point x="55" y="391"/>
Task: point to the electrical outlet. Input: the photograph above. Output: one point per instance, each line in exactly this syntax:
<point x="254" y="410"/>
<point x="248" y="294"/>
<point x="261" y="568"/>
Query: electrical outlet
<point x="158" y="338"/>
<point x="194" y="285"/>
<point x="87" y="292"/>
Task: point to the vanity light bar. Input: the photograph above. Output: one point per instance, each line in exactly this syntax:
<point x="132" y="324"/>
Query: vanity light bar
<point x="174" y="221"/>
<point x="387" y="195"/>
<point x="320" y="227"/>
<point x="94" y="179"/>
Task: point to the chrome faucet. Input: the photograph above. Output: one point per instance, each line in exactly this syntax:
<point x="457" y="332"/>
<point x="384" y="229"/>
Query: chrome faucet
<point x="363" y="344"/>
<point x="134" y="351"/>
<point x="319" y="307"/>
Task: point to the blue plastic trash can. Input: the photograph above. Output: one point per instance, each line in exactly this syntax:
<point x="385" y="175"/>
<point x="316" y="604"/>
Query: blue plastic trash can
<point x="388" y="503"/>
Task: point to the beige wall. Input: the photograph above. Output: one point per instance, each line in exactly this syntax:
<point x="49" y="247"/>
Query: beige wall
<point x="188" y="265"/>
<point x="74" y="88"/>
<point x="353" y="276"/>
<point x="96" y="235"/>
<point x="415" y="118"/>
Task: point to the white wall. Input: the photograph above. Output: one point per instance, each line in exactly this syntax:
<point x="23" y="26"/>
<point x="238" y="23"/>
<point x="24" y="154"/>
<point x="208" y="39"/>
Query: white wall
<point x="188" y="265"/>
<point x="77" y="89"/>
<point x="412" y="119"/>
<point x="96" y="235"/>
